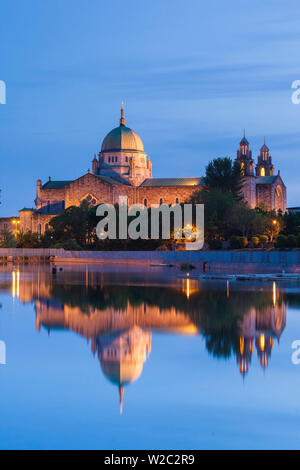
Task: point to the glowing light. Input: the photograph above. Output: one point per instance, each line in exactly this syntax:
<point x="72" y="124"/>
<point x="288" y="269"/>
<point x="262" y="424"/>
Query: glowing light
<point x="15" y="284"/>
<point x="242" y="344"/>
<point x="274" y="294"/>
<point x="188" y="288"/>
<point x="262" y="342"/>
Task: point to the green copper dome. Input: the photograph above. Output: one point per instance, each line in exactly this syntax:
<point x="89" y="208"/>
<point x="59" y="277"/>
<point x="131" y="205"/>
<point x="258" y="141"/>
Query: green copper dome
<point x="122" y="138"/>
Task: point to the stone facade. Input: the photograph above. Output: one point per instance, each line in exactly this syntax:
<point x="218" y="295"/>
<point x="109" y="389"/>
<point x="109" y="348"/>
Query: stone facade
<point x="123" y="169"/>
<point x="261" y="188"/>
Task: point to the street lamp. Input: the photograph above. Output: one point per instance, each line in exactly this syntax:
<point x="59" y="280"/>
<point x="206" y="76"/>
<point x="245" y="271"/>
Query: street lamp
<point x="16" y="223"/>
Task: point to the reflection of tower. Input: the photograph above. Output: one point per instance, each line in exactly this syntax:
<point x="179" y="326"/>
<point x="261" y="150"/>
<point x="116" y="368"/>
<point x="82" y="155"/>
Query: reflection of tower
<point x="122" y="355"/>
<point x="261" y="328"/>
<point x="243" y="357"/>
<point x="264" y="344"/>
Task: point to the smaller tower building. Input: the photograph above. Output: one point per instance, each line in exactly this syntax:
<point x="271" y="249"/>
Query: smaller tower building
<point x="264" y="165"/>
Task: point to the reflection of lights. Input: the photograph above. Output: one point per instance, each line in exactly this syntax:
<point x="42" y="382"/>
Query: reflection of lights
<point x="262" y="342"/>
<point x="188" y="288"/>
<point x="274" y="294"/>
<point x="86" y="277"/>
<point x="15" y="283"/>
<point x="227" y="288"/>
<point x="242" y="343"/>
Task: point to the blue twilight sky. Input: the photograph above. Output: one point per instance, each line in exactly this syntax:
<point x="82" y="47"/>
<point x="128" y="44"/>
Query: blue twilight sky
<point x="192" y="74"/>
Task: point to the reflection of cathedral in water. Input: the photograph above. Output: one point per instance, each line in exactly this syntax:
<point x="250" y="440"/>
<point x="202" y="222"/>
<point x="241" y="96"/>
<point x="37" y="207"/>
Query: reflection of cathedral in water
<point x="121" y="338"/>
<point x="120" y="334"/>
<point x="259" y="329"/>
<point x="122" y="355"/>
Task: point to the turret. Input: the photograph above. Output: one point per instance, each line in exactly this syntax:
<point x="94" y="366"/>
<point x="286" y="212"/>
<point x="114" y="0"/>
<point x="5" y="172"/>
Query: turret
<point x="244" y="157"/>
<point x="264" y="165"/>
<point x="95" y="165"/>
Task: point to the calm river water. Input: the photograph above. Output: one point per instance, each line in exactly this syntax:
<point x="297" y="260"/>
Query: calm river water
<point x="99" y="357"/>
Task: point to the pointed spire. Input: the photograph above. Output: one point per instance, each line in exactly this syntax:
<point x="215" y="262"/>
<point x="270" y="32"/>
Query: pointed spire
<point x="122" y="120"/>
<point x="121" y="391"/>
<point x="244" y="140"/>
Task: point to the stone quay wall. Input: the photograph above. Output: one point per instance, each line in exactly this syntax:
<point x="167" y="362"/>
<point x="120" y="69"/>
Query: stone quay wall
<point x="230" y="261"/>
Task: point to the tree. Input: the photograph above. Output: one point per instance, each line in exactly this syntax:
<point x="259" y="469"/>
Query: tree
<point x="74" y="223"/>
<point x="28" y="240"/>
<point x="7" y="239"/>
<point x="225" y="175"/>
<point x="217" y="209"/>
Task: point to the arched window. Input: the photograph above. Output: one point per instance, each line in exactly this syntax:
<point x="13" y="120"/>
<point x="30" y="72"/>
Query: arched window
<point x="39" y="227"/>
<point x="145" y="202"/>
<point x="161" y="201"/>
<point x="177" y="200"/>
<point x="262" y="172"/>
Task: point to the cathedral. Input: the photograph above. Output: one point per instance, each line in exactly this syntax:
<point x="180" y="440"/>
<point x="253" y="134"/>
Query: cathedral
<point x="123" y="169"/>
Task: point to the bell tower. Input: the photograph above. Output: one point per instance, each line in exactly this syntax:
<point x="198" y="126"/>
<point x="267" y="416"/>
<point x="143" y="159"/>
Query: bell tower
<point x="264" y="165"/>
<point x="244" y="157"/>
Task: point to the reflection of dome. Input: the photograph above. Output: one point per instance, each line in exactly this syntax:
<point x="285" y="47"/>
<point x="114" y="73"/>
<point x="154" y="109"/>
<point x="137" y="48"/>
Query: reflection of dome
<point x="122" y="355"/>
<point x="122" y="373"/>
<point x="122" y="138"/>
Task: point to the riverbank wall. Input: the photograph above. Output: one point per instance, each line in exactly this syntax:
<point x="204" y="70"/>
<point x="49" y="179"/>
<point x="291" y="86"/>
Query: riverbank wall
<point x="229" y="261"/>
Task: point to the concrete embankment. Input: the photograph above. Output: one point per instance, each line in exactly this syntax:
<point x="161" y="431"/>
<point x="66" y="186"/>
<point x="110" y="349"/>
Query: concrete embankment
<point x="254" y="261"/>
<point x="235" y="261"/>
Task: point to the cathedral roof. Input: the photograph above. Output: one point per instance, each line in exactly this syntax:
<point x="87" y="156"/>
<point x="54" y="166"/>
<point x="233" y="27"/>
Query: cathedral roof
<point x="266" y="179"/>
<point x="264" y="148"/>
<point x="244" y="141"/>
<point x="173" y="182"/>
<point x="113" y="178"/>
<point x="55" y="184"/>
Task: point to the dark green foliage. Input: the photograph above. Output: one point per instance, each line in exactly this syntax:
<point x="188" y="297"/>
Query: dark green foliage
<point x="281" y="241"/>
<point x="238" y="242"/>
<point x="255" y="241"/>
<point x="28" y="240"/>
<point x="263" y="239"/>
<point x="215" y="244"/>
<point x="7" y="239"/>
<point x="225" y="175"/>
<point x="291" y="241"/>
